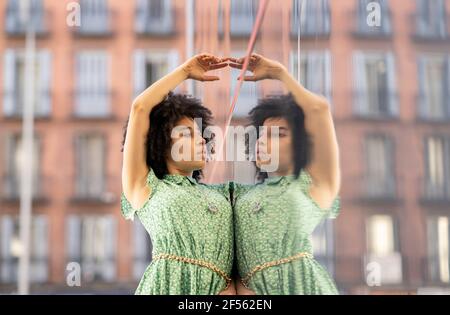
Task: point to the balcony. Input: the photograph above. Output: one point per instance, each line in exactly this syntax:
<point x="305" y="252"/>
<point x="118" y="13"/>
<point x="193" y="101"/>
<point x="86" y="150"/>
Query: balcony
<point x="379" y="190"/>
<point x="98" y="25"/>
<point x="385" y="269"/>
<point x="434" y="272"/>
<point x="430" y="33"/>
<point x="38" y="270"/>
<point x="16" y="27"/>
<point x="376" y="104"/>
<point x="311" y="30"/>
<point x="90" y="190"/>
<point x="13" y="104"/>
<point x="92" y="104"/>
<point x="364" y="31"/>
<point x="241" y="21"/>
<point x="433" y="192"/>
<point x="155" y="26"/>
<point x="440" y="114"/>
<point x="10" y="189"/>
<point x="95" y="270"/>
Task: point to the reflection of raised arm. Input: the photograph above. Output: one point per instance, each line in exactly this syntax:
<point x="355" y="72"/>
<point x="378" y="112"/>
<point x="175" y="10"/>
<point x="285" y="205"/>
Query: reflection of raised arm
<point x="324" y="166"/>
<point x="135" y="169"/>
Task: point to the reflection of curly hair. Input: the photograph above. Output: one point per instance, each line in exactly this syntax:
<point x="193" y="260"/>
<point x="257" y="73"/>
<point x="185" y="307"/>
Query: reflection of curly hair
<point x="163" y="118"/>
<point x="284" y="106"/>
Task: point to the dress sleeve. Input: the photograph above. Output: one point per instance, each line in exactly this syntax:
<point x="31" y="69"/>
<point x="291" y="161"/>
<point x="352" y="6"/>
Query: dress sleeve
<point x="305" y="181"/>
<point x="127" y="210"/>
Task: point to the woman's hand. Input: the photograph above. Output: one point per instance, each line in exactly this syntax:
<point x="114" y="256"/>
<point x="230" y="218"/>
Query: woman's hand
<point x="196" y="67"/>
<point x="262" y="68"/>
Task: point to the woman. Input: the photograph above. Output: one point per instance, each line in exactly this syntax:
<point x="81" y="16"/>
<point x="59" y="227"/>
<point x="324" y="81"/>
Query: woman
<point x="275" y="218"/>
<point x="190" y="224"/>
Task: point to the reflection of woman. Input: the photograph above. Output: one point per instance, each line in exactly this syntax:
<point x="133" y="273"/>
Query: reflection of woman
<point x="275" y="218"/>
<point x="190" y="224"/>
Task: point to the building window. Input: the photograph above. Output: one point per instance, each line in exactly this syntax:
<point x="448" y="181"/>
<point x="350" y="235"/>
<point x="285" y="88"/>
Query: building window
<point x="154" y="17"/>
<point x="364" y="28"/>
<point x="383" y="249"/>
<point x="14" y="83"/>
<point x="431" y="21"/>
<point x="242" y="17"/>
<point x="434" y="87"/>
<point x="90" y="182"/>
<point x="10" y="245"/>
<point x="91" y="242"/>
<point x="438" y="249"/>
<point x="436" y="185"/>
<point x="375" y="93"/>
<point x="379" y="180"/>
<point x="14" y="164"/>
<point x="311" y="18"/>
<point x="150" y="66"/>
<point x="142" y="246"/>
<point x="14" y="25"/>
<point x="95" y="18"/>
<point x="92" y="96"/>
<point x="315" y="71"/>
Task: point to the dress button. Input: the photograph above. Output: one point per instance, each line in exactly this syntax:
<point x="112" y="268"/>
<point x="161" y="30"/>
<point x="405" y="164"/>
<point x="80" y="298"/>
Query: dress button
<point x="213" y="208"/>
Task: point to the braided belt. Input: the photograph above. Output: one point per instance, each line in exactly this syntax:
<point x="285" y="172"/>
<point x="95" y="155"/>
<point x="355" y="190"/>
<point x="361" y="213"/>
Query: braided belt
<point x="266" y="265"/>
<point x="198" y="262"/>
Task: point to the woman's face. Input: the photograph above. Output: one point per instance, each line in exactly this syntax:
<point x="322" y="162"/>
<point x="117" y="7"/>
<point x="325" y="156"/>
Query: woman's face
<point x="273" y="156"/>
<point x="188" y="151"/>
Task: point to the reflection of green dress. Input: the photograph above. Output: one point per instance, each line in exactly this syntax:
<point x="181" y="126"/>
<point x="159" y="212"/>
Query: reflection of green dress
<point x="274" y="220"/>
<point x="188" y="220"/>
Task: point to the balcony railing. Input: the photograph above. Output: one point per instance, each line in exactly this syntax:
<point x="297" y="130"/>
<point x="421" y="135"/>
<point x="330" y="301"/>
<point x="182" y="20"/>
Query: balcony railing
<point x="100" y="24"/>
<point x="146" y="25"/>
<point x="42" y="107"/>
<point x="431" y="267"/>
<point x="97" y="270"/>
<point x="387" y="269"/>
<point x="92" y="103"/>
<point x="241" y="23"/>
<point x="10" y="189"/>
<point x="363" y="30"/>
<point x="9" y="270"/>
<point x="370" y="189"/>
<point x="311" y="30"/>
<point x="424" y="110"/>
<point x="434" y="192"/>
<point x="16" y="27"/>
<point x="90" y="189"/>
<point x="384" y="107"/>
<point x="425" y="32"/>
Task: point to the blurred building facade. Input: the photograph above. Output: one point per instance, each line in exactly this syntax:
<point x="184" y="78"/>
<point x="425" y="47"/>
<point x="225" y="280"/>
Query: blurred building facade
<point x="388" y="85"/>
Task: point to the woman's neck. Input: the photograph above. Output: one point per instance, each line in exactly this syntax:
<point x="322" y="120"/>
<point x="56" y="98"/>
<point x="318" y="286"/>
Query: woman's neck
<point x="176" y="171"/>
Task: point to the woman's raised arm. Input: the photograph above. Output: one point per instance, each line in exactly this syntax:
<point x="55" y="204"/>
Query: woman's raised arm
<point x="134" y="168"/>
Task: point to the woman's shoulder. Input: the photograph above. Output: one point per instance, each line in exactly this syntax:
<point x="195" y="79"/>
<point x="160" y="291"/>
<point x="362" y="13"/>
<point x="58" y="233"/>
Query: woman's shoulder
<point x="127" y="209"/>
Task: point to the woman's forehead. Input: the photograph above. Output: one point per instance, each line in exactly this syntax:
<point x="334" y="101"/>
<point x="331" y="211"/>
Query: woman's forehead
<point x="276" y="121"/>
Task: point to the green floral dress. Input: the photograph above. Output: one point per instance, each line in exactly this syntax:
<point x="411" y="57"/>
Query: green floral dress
<point x="274" y="220"/>
<point x="185" y="220"/>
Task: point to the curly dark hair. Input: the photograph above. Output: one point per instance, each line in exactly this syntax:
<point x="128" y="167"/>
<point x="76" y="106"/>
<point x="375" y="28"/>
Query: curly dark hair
<point x="284" y="106"/>
<point x="163" y="118"/>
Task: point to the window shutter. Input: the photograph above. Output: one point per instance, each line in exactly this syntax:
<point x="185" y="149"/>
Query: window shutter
<point x="9" y="82"/>
<point x="44" y="83"/>
<point x="392" y="86"/>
